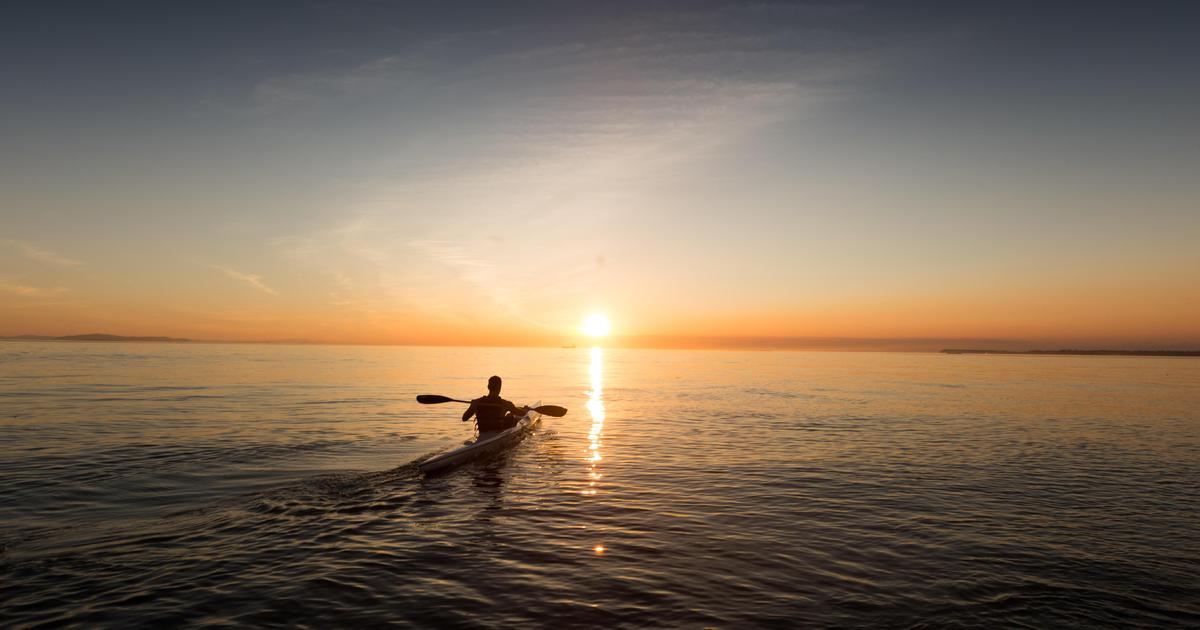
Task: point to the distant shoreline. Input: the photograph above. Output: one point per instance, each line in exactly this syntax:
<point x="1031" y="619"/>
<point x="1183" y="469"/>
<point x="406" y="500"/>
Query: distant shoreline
<point x="93" y="337"/>
<point x="1103" y="353"/>
<point x="124" y="339"/>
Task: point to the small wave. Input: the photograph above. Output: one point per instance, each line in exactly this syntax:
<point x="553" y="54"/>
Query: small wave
<point x="775" y="393"/>
<point x="138" y="458"/>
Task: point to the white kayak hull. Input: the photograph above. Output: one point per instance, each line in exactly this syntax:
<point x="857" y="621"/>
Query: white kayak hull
<point x="483" y="445"/>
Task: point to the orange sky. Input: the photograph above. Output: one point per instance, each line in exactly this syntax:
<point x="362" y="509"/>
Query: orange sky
<point x="1079" y="311"/>
<point x="727" y="172"/>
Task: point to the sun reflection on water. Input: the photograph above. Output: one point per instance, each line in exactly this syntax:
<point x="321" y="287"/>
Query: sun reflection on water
<point x="595" y="406"/>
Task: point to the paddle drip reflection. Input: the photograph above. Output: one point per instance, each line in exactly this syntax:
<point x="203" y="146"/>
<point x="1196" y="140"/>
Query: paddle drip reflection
<point x="595" y="406"/>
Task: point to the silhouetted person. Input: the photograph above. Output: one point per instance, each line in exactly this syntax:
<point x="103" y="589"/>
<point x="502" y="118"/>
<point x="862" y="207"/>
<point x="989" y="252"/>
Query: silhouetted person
<point x="492" y="412"/>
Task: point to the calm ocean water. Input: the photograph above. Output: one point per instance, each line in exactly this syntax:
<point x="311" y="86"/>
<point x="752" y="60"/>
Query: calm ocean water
<point x="157" y="484"/>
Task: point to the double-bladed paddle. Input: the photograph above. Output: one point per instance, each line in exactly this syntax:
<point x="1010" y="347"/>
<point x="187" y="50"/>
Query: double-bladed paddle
<point x="554" y="411"/>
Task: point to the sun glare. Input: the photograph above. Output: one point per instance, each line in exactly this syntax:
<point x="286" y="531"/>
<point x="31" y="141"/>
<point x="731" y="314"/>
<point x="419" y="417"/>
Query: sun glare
<point x="596" y="325"/>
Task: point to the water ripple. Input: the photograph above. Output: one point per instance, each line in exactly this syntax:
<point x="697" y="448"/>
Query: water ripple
<point x="801" y="489"/>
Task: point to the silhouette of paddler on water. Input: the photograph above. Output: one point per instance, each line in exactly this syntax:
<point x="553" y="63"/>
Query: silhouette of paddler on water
<point x="492" y="412"/>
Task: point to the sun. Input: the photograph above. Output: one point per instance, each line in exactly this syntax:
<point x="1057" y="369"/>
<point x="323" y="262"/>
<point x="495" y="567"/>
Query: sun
<point x="596" y="325"/>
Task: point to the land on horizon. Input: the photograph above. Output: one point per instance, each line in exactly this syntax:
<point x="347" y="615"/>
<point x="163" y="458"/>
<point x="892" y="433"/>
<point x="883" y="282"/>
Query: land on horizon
<point x="1132" y="353"/>
<point x="127" y="338"/>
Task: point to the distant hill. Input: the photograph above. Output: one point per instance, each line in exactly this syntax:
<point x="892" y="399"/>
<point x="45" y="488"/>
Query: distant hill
<point x="107" y="337"/>
<point x="94" y="337"/>
<point x="120" y="338"/>
<point x="1117" y="353"/>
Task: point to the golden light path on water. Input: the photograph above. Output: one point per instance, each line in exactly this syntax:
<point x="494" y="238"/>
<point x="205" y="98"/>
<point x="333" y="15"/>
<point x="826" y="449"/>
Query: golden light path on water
<point x="595" y="407"/>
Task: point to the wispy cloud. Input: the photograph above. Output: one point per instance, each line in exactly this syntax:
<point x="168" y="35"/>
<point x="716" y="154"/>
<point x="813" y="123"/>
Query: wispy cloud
<point x="764" y="43"/>
<point x="39" y="254"/>
<point x="30" y="291"/>
<point x="278" y="93"/>
<point x="248" y="278"/>
<point x="359" y="259"/>
<point x="480" y="274"/>
<point x="342" y="296"/>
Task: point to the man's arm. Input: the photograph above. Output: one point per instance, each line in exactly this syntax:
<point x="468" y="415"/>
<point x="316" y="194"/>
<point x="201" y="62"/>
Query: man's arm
<point x="469" y="412"/>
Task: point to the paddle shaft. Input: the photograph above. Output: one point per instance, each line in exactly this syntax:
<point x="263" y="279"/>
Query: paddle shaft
<point x="553" y="411"/>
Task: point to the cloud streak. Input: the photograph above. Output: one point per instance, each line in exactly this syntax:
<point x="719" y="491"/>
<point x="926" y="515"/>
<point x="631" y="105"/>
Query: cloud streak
<point x="282" y="93"/>
<point x="478" y="273"/>
<point x="30" y="291"/>
<point x="248" y="278"/>
<point x="729" y="44"/>
<point x="38" y="254"/>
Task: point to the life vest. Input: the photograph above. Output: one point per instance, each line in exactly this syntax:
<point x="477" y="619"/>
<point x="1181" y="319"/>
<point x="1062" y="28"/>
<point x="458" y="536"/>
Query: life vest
<point x="492" y="413"/>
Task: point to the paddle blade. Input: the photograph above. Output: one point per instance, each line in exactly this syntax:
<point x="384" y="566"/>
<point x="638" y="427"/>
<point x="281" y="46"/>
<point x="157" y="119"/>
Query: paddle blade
<point x="433" y="399"/>
<point x="554" y="411"/>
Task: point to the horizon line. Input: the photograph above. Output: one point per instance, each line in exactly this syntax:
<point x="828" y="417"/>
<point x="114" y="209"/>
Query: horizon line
<point x="676" y="342"/>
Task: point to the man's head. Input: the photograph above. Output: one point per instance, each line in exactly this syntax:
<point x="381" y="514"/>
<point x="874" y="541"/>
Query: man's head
<point x="494" y="385"/>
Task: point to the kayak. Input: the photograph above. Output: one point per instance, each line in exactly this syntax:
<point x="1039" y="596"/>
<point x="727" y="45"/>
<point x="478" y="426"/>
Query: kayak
<point x="485" y="444"/>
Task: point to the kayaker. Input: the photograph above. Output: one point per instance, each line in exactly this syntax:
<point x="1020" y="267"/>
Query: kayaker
<point x="492" y="412"/>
